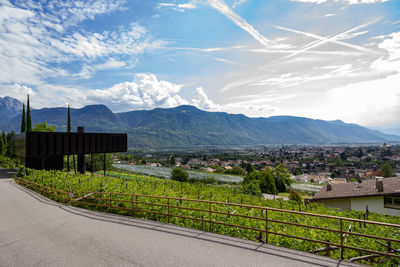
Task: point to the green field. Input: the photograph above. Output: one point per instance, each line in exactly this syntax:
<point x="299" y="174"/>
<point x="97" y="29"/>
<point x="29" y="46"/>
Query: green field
<point x="145" y="185"/>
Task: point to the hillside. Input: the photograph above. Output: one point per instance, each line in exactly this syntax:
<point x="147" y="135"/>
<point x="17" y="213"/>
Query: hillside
<point x="188" y="126"/>
<point x="9" y="108"/>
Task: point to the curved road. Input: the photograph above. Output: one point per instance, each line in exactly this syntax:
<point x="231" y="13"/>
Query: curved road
<point x="35" y="231"/>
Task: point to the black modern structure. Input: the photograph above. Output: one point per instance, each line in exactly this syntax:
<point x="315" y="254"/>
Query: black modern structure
<point x="46" y="150"/>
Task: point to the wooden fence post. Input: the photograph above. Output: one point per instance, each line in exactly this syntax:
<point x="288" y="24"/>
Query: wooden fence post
<point x="136" y="205"/>
<point x="341" y="238"/>
<point x="168" y="212"/>
<point x="209" y="215"/>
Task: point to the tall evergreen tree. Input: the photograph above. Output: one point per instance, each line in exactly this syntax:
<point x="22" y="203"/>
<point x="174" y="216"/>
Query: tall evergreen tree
<point x="28" y="117"/>
<point x="23" y="121"/>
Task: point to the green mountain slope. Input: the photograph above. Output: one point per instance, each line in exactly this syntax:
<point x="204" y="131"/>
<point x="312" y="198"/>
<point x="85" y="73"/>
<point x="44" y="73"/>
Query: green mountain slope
<point x="187" y="126"/>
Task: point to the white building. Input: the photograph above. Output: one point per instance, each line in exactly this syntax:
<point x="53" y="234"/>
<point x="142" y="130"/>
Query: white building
<point x="380" y="195"/>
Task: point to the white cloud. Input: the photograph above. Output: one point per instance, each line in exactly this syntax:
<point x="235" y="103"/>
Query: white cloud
<point x="144" y="92"/>
<point x="42" y="41"/>
<point x="202" y="101"/>
<point x="391" y="61"/>
<point x="178" y="7"/>
<point x="17" y="91"/>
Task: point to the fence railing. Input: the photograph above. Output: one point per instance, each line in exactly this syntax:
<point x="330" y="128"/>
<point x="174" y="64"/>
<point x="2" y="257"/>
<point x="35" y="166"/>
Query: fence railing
<point x="136" y="202"/>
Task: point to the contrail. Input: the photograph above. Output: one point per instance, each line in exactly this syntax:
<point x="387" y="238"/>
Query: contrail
<point x="330" y="39"/>
<point x="239" y="21"/>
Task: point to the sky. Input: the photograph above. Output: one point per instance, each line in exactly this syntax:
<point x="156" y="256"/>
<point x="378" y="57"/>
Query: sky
<point x="321" y="59"/>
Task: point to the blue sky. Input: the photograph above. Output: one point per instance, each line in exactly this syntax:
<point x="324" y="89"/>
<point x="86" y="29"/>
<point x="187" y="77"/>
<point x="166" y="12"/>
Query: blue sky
<point x="325" y="59"/>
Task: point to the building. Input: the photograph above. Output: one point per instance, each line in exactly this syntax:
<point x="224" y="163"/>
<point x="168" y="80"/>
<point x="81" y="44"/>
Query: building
<point x="380" y="195"/>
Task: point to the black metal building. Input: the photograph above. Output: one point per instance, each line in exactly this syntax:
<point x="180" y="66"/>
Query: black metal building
<point x="46" y="150"/>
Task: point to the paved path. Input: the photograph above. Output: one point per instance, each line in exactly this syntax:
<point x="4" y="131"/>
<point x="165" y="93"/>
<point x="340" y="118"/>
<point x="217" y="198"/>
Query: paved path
<point x="35" y="231"/>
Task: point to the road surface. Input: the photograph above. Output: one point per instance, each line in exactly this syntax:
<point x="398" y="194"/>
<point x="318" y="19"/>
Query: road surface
<point x="35" y="231"/>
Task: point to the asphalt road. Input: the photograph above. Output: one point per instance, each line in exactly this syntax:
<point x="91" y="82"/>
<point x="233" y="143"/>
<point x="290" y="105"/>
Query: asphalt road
<point x="35" y="231"/>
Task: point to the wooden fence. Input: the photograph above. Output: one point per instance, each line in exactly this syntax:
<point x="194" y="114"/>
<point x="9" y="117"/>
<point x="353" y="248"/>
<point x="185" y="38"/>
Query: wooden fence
<point x="136" y="203"/>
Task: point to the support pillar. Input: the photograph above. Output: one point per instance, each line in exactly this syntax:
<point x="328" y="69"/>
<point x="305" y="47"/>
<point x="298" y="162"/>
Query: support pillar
<point x="81" y="157"/>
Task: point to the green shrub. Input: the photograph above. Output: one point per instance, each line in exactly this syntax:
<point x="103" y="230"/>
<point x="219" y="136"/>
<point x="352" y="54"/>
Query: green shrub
<point x="180" y="175"/>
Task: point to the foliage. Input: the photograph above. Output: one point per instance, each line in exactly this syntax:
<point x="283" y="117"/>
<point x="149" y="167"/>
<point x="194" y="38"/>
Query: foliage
<point x="249" y="168"/>
<point x="282" y="178"/>
<point x="236" y="170"/>
<point x="3" y="144"/>
<point x="387" y="170"/>
<point x="164" y="172"/>
<point x="9" y="163"/>
<point x="252" y="187"/>
<point x="180" y="175"/>
<point x="42" y="127"/>
<point x="10" y="144"/>
<point x="144" y="185"/>
<point x="23" y="120"/>
<point x="210" y="180"/>
<point x="264" y="180"/>
<point x="295" y="196"/>
<point x="95" y="162"/>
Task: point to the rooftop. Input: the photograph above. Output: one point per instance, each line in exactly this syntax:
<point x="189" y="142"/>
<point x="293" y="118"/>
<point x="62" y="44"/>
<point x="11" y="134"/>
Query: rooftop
<point x="391" y="186"/>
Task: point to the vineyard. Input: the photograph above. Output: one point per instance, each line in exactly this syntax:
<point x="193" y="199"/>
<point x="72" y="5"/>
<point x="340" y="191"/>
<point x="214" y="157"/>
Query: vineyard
<point x="225" y="210"/>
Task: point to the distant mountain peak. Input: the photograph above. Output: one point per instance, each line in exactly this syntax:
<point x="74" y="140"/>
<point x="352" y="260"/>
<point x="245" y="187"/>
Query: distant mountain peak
<point x="9" y="108"/>
<point x="187" y="108"/>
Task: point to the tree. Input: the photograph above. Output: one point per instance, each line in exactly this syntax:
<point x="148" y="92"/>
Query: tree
<point x="249" y="168"/>
<point x="267" y="184"/>
<point x="23" y="121"/>
<point x="180" y="175"/>
<point x="95" y="162"/>
<point x="387" y="170"/>
<point x="252" y="188"/>
<point x="295" y="196"/>
<point x="172" y="160"/>
<point x="236" y="171"/>
<point x="3" y="147"/>
<point x="28" y="117"/>
<point x="44" y="128"/>
<point x="10" y="144"/>
<point x="282" y="178"/>
<point x="263" y="179"/>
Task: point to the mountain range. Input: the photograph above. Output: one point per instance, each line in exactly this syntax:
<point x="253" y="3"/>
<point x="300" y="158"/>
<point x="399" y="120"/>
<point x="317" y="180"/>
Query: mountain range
<point x="9" y="108"/>
<point x="188" y="126"/>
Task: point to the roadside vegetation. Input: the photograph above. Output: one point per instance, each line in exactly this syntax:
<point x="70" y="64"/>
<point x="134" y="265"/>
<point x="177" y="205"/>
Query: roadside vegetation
<point x="145" y="185"/>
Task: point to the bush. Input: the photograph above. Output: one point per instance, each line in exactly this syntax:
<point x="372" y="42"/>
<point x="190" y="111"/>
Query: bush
<point x="9" y="163"/>
<point x="180" y="175"/>
<point x="236" y="171"/>
<point x="252" y="187"/>
<point x="295" y="196"/>
<point x="210" y="180"/>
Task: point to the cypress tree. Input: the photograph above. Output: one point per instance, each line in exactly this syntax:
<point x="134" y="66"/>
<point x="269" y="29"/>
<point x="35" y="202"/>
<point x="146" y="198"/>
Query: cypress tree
<point x="28" y="117"/>
<point x="23" y="121"/>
